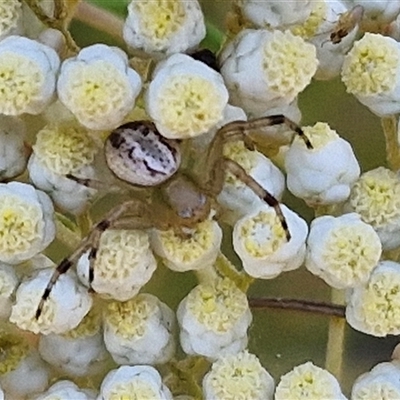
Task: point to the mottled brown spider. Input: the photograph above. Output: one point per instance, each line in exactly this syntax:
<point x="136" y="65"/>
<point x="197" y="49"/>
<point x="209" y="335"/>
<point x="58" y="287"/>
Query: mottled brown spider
<point x="136" y="153"/>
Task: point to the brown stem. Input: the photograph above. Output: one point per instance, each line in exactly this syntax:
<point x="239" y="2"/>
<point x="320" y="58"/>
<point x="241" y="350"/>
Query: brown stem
<point x="298" y="305"/>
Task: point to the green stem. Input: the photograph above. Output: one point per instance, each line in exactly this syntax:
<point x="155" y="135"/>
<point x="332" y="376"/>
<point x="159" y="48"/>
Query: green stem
<point x="389" y="126"/>
<point x="100" y="19"/>
<point x="335" y="346"/>
<point x="54" y="23"/>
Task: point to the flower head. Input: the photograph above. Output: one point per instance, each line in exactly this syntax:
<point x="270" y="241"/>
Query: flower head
<point x="307" y="381"/>
<point x="78" y="352"/>
<point x="276" y="14"/>
<point x="137" y="382"/>
<point x="98" y="86"/>
<point x="10" y="16"/>
<point x="166" y="26"/>
<point x="376" y="197"/>
<point x="124" y="263"/>
<point x="27" y="75"/>
<point x="68" y="303"/>
<point x="214" y="319"/>
<point x="64" y="149"/>
<point x="324" y="174"/>
<point x="260" y="241"/>
<point x="185" y="98"/>
<point x="374" y="307"/>
<point x="382" y="382"/>
<point x="65" y="390"/>
<point x="22" y="372"/>
<point x="13" y="151"/>
<point x="238" y="376"/>
<point x="343" y="251"/>
<point x="194" y="253"/>
<point x="26" y="222"/>
<point x="371" y="71"/>
<point x="139" y="331"/>
<point x="265" y="69"/>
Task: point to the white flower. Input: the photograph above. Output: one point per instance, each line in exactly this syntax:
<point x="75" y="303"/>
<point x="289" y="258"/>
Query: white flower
<point x="22" y="372"/>
<point x="196" y="252"/>
<point x="98" y="86"/>
<point x="260" y="242"/>
<point x="60" y="150"/>
<point x="371" y="72"/>
<point x="329" y="16"/>
<point x="80" y="351"/>
<point x="382" y="382"/>
<point x="166" y="26"/>
<point x="276" y="14"/>
<point x="13" y="151"/>
<point x="27" y="76"/>
<point x="10" y="17"/>
<point x="324" y="174"/>
<point x="342" y="251"/>
<point x="377" y="13"/>
<point x="214" y="319"/>
<point x="140" y="382"/>
<point x="63" y="310"/>
<point x="238" y="376"/>
<point x="124" y="263"/>
<point x="307" y="381"/>
<point x="26" y="222"/>
<point x="376" y="197"/>
<point x="236" y="198"/>
<point x="374" y="307"/>
<point x="65" y="390"/>
<point x="185" y="98"/>
<point x="8" y="284"/>
<point x="264" y="69"/>
<point x="139" y="331"/>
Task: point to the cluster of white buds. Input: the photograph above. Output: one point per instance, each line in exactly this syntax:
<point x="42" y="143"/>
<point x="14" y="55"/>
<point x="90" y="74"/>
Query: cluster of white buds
<point x="140" y="381"/>
<point x="60" y="150"/>
<point x="307" y="381"/>
<point x="63" y="311"/>
<point x="124" y="263"/>
<point x="164" y="26"/>
<point x="239" y="375"/>
<point x="214" y="319"/>
<point x="79" y="352"/>
<point x="266" y="69"/>
<point x="22" y="372"/>
<point x="383" y="381"/>
<point x="261" y="242"/>
<point x="342" y="251"/>
<point x="139" y="331"/>
<point x="374" y="307"/>
<point x="98" y="86"/>
<point x="327" y="171"/>
<point x="58" y="104"/>
<point x="185" y="98"/>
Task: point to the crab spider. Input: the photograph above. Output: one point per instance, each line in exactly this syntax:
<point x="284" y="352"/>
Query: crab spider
<point x="136" y="153"/>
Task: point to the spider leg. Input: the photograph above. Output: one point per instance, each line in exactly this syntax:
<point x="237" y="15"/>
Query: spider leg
<point x="239" y="172"/>
<point x="91" y="242"/>
<point x="259" y="123"/>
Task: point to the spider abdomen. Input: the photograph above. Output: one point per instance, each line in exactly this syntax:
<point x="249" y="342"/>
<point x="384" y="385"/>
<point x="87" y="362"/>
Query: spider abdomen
<point x="136" y="153"/>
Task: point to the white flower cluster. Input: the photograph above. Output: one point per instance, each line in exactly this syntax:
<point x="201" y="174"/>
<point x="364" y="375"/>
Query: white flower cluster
<point x="232" y="126"/>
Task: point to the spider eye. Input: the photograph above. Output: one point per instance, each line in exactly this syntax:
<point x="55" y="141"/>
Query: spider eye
<point x="137" y="153"/>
